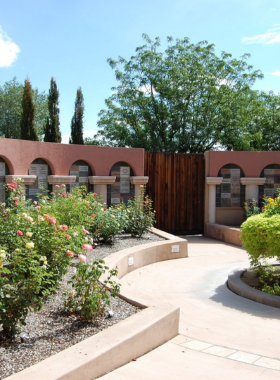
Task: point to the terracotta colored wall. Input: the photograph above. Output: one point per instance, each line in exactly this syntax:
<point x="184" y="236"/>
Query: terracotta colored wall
<point x="19" y="154"/>
<point x="252" y="163"/>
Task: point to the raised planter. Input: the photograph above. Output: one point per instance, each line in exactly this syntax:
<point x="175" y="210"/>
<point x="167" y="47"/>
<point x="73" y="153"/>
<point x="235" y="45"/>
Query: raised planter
<point x="236" y="285"/>
<point x="126" y="340"/>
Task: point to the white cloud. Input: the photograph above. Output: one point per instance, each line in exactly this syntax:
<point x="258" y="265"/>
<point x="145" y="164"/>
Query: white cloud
<point x="277" y="73"/>
<point x="90" y="133"/>
<point x="8" y="50"/>
<point x="266" y="38"/>
<point x="273" y="9"/>
<point x="65" y="139"/>
<point x="274" y="40"/>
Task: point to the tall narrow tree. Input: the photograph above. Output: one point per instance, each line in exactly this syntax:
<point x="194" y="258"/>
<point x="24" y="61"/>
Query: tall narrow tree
<point x="77" y="120"/>
<point x="52" y="132"/>
<point x="27" y="128"/>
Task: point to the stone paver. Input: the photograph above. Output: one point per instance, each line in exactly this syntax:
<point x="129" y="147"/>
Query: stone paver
<point x="219" y="351"/>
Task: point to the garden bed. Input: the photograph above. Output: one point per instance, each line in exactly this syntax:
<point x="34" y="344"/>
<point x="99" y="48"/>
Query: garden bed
<point x="50" y="330"/>
<point x="246" y="285"/>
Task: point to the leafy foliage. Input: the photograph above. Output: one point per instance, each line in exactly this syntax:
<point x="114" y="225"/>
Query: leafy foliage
<point x="77" y="120"/>
<point x="37" y="242"/>
<point x="260" y="233"/>
<point x="89" y="296"/>
<point x="187" y="100"/>
<point x="141" y="215"/>
<point x="251" y="208"/>
<point x="11" y="94"/>
<point x="269" y="277"/>
<point x="33" y="257"/>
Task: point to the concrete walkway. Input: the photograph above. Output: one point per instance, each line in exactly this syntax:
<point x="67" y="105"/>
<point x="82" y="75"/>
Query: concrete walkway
<point x="222" y="336"/>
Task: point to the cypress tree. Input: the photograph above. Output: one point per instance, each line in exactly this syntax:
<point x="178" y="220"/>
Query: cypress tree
<point x="77" y="120"/>
<point x="52" y="132"/>
<point x="27" y="128"/>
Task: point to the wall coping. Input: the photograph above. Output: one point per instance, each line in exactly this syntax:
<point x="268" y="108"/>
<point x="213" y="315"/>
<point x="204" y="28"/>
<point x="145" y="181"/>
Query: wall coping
<point x="139" y="180"/>
<point x="214" y="180"/>
<point x="252" y="181"/>
<point x="61" y="179"/>
<point x="28" y="179"/>
<point x="101" y="180"/>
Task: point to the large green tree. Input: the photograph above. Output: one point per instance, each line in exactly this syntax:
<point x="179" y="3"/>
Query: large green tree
<point x="52" y="132"/>
<point x="27" y="128"/>
<point x="11" y="94"/>
<point x="185" y="99"/>
<point x="77" y="120"/>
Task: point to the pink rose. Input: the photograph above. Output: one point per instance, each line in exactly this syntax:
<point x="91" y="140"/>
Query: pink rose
<point x="64" y="227"/>
<point x="87" y="247"/>
<point x="82" y="258"/>
<point x="52" y="221"/>
<point x="67" y="236"/>
<point x="95" y="194"/>
<point x="84" y="231"/>
<point x="19" y="232"/>
<point x="70" y="253"/>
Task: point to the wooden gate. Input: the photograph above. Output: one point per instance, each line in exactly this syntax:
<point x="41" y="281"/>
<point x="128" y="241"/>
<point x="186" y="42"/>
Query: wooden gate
<point x="176" y="186"/>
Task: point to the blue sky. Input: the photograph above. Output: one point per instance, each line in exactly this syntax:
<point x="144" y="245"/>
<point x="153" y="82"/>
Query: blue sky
<point x="72" y="39"/>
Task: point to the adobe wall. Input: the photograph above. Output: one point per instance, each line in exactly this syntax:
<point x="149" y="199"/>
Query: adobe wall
<point x="19" y="154"/>
<point x="252" y="163"/>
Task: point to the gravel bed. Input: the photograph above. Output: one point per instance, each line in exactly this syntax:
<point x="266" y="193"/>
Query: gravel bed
<point x="50" y="330"/>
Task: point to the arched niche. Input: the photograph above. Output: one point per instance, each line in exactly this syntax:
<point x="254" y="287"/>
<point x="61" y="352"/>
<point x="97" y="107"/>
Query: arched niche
<point x="272" y="182"/>
<point x="41" y="169"/>
<point x="82" y="171"/>
<point x="122" y="188"/>
<point x="230" y="193"/>
<point x="4" y="170"/>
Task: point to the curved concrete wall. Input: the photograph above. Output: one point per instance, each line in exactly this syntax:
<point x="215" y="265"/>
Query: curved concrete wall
<point x="126" y="340"/>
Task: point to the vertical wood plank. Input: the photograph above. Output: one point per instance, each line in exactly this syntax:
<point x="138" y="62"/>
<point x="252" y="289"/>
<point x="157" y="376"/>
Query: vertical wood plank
<point x="176" y="186"/>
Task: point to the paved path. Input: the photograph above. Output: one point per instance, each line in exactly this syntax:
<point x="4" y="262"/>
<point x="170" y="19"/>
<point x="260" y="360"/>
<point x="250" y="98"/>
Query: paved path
<point x="222" y="336"/>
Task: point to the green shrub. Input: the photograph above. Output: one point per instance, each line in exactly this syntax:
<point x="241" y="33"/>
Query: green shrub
<point x="141" y="216"/>
<point x="88" y="296"/>
<point x="269" y="277"/>
<point x="106" y="224"/>
<point x="260" y="236"/>
<point x="34" y="256"/>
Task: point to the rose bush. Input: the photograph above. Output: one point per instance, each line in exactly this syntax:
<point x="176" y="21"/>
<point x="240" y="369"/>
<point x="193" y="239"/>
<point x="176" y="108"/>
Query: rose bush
<point x="88" y="296"/>
<point x="34" y="257"/>
<point x="38" y="241"/>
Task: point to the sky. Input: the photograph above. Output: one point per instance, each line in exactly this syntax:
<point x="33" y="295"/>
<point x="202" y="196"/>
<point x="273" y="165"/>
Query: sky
<point x="71" y="41"/>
